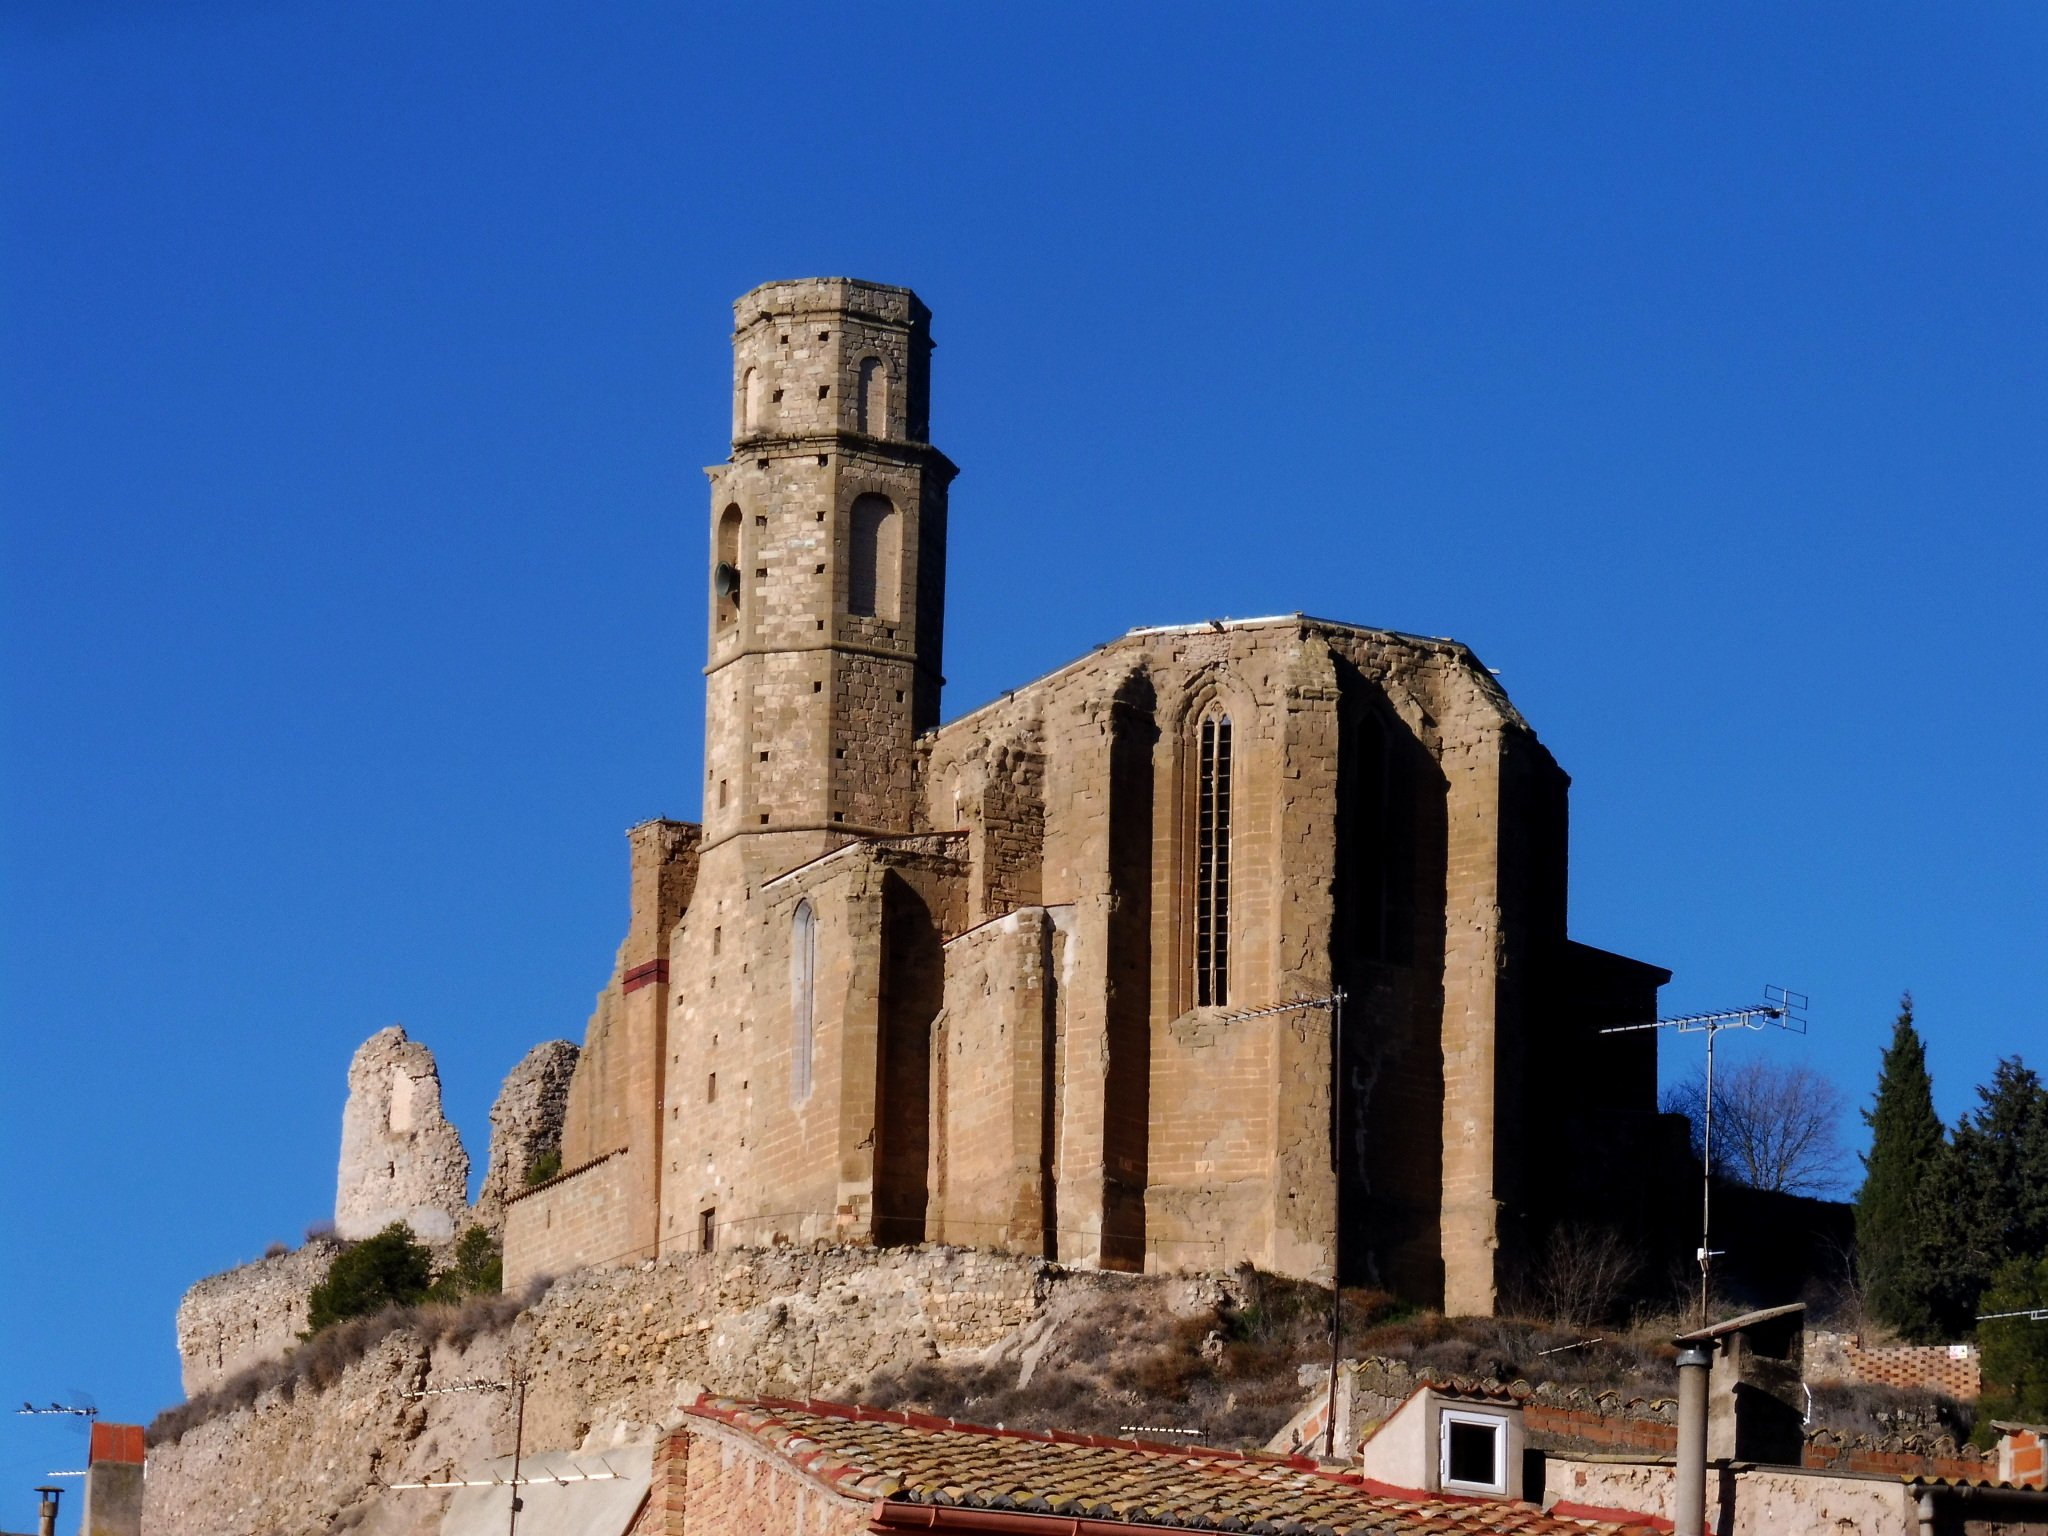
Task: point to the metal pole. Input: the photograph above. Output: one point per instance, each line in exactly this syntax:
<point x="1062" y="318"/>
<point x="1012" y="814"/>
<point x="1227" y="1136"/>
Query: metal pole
<point x="1707" y="1179"/>
<point x="518" y="1444"/>
<point x="1336" y="1216"/>
<point x="1689" y="1507"/>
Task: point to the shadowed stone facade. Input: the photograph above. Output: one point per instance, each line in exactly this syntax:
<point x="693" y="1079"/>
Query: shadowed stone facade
<point x="982" y="982"/>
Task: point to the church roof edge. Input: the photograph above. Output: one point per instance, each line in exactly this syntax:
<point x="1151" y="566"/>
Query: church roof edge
<point x="1457" y="649"/>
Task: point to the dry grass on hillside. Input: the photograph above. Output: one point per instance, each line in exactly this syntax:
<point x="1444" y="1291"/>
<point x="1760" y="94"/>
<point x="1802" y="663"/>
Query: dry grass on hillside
<point x="319" y="1362"/>
<point x="1114" y="1359"/>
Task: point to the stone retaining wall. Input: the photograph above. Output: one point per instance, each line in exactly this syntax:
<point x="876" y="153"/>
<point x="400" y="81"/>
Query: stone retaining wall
<point x="612" y="1355"/>
<point x="246" y="1315"/>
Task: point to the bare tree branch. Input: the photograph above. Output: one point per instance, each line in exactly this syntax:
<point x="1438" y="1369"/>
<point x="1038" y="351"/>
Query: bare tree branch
<point x="1775" y="1127"/>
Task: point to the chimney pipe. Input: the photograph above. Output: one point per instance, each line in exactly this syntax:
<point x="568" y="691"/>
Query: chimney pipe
<point x="1689" y="1509"/>
<point x="46" y="1511"/>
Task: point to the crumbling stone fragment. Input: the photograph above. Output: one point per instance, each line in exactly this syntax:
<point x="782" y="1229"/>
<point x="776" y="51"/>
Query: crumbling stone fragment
<point x="526" y="1125"/>
<point x="400" y="1158"/>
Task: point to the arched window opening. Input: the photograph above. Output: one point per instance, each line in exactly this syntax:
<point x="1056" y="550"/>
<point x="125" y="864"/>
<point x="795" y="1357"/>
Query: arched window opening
<point x="1212" y="863"/>
<point x="753" y="400"/>
<point x="725" y="569"/>
<point x="874" y="559"/>
<point x="803" y="970"/>
<point x="874" y="397"/>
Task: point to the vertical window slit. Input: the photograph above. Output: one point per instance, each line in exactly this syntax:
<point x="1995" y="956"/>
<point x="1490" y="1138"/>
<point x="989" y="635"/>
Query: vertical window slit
<point x="803" y="965"/>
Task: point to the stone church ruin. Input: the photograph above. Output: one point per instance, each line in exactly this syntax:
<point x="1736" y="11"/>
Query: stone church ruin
<point x="980" y="982"/>
<point x="985" y="983"/>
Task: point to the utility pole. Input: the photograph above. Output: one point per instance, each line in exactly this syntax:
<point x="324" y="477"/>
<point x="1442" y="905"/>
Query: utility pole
<point x="517" y="1386"/>
<point x="1334" y="1005"/>
<point x="1780" y="1009"/>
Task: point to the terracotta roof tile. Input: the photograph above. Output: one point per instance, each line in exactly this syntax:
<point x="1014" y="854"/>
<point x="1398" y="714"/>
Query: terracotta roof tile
<point x="912" y="1458"/>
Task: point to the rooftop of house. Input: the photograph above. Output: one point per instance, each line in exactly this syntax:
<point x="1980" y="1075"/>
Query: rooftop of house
<point x="912" y="1459"/>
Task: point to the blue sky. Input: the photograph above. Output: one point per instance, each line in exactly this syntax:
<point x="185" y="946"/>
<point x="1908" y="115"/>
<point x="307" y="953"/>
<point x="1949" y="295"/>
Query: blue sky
<point x="359" y="363"/>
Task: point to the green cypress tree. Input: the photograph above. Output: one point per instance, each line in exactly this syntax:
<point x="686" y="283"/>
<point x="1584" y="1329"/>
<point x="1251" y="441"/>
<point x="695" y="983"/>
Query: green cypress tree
<point x="2015" y="1360"/>
<point x="1987" y="1202"/>
<point x="1905" y="1143"/>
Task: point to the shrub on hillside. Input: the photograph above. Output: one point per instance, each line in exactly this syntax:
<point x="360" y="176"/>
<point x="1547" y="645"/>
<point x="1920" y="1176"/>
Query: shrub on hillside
<point x="319" y="1363"/>
<point x="392" y="1269"/>
<point x="477" y="1269"/>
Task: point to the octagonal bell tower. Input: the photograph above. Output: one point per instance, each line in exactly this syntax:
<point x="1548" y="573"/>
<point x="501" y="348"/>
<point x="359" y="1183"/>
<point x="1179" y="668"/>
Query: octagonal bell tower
<point x="827" y="565"/>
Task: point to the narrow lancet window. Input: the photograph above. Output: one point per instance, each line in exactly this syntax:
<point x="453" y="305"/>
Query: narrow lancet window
<point x="1212" y="864"/>
<point x="803" y="967"/>
<point x="874" y="398"/>
<point x="874" y="558"/>
<point x="725" y="570"/>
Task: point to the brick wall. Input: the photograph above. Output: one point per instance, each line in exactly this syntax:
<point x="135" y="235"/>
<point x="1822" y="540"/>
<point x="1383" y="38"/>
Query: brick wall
<point x="709" y="1484"/>
<point x="1947" y="1368"/>
<point x="2022" y="1458"/>
<point x="1891" y="1457"/>
<point x="1622" y="1428"/>
<point x="577" y="1219"/>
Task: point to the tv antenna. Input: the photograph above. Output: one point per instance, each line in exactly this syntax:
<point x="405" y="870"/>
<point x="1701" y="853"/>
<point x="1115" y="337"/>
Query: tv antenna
<point x="2028" y="1314"/>
<point x="1780" y="1009"/>
<point x="516" y="1385"/>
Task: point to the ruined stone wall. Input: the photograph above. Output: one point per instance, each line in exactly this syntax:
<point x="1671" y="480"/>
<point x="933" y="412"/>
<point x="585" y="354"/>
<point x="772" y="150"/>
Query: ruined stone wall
<point x="526" y="1125"/>
<point x="257" y="1311"/>
<point x="246" y="1315"/>
<point x="400" y="1158"/>
<point x="612" y="1355"/>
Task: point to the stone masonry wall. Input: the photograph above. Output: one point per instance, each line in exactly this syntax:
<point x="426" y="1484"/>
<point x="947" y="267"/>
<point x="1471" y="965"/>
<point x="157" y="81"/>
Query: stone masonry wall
<point x="257" y="1312"/>
<point x="400" y="1158"/>
<point x="613" y="1355"/>
<point x="575" y="1219"/>
<point x="526" y="1124"/>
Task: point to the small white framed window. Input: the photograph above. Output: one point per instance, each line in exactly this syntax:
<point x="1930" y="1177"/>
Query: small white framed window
<point x="1472" y="1453"/>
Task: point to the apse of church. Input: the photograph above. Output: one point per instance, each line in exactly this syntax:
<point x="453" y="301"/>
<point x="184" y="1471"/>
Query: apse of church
<point x="981" y="983"/>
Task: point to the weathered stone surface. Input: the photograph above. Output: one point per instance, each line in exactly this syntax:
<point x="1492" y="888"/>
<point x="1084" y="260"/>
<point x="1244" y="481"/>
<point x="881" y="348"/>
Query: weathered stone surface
<point x="611" y="1355"/>
<point x="987" y="980"/>
<point x="400" y="1158"/>
<point x="526" y="1125"/>
<point x="245" y="1315"/>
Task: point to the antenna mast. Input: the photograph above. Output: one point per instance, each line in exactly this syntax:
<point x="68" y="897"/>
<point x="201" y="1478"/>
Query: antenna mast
<point x="1780" y="1009"/>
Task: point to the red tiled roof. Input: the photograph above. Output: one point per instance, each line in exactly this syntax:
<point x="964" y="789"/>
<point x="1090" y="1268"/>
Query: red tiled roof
<point x="903" y="1458"/>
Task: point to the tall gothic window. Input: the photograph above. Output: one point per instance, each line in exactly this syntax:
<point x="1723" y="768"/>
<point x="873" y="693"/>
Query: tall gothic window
<point x="803" y="968"/>
<point x="1212" y="863"/>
